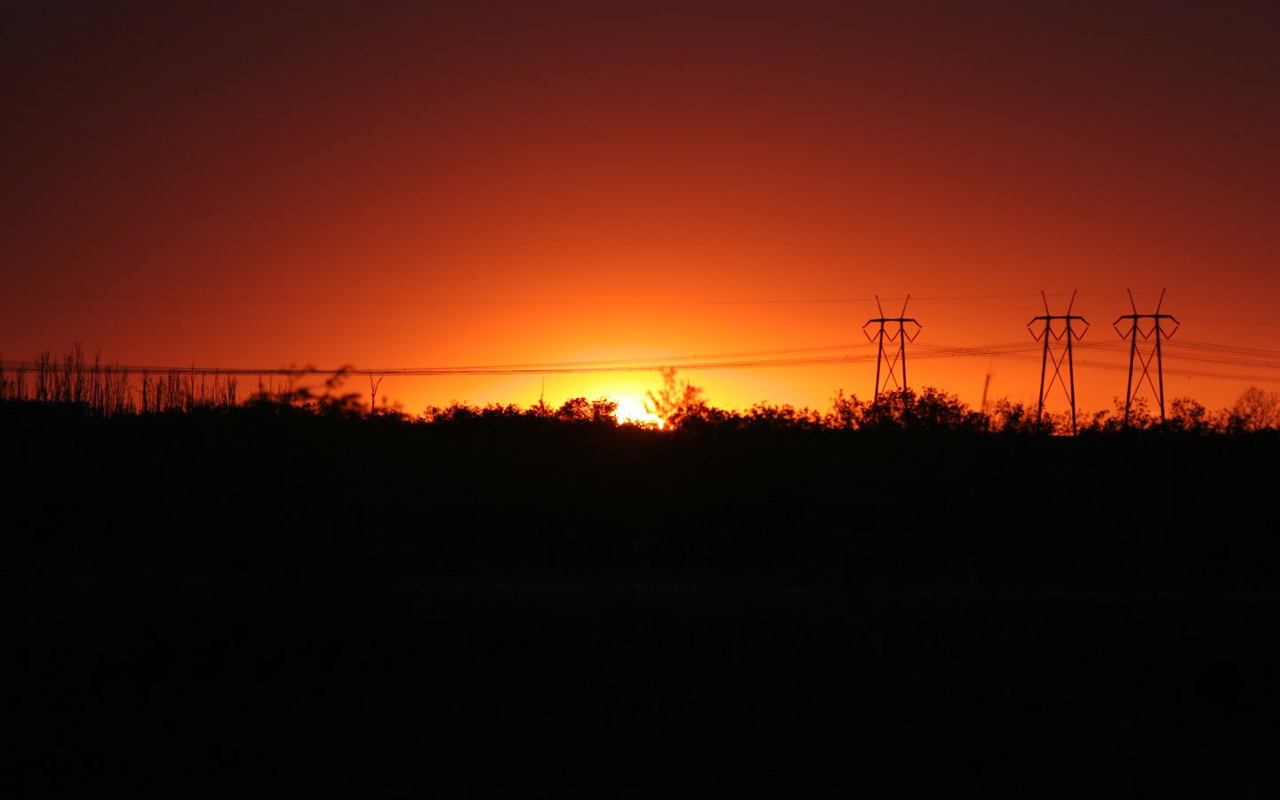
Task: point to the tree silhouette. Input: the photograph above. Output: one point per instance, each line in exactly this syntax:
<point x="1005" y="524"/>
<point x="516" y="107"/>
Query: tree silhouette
<point x="1257" y="409"/>
<point x="1189" y="416"/>
<point x="580" y="409"/>
<point x="677" y="402"/>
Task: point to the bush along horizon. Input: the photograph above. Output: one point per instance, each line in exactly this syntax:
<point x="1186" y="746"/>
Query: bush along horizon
<point x="79" y="387"/>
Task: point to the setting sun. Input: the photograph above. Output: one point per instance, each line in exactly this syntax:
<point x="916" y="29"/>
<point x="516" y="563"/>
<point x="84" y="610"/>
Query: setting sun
<point x="631" y="410"/>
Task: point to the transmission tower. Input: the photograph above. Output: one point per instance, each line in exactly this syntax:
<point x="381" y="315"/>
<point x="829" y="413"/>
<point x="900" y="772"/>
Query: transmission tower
<point x="885" y="356"/>
<point x="1154" y="334"/>
<point x="1064" y="335"/>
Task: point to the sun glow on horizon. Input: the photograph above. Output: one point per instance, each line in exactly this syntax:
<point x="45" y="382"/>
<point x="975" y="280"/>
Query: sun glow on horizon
<point x="631" y="410"/>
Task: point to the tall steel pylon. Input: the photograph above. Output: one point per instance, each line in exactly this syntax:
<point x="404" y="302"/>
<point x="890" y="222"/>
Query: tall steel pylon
<point x="1066" y="335"/>
<point x="884" y="356"/>
<point x="1144" y="358"/>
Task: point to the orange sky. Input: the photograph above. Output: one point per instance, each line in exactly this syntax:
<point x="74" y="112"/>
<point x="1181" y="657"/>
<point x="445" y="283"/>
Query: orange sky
<point x="386" y="186"/>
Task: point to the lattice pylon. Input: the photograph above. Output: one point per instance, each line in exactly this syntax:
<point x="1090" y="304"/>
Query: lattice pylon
<point x="891" y="365"/>
<point x="1064" y="335"/>
<point x="1154" y="334"/>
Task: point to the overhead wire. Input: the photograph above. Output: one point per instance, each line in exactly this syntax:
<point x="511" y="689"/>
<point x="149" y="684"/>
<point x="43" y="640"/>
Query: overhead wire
<point x="852" y="353"/>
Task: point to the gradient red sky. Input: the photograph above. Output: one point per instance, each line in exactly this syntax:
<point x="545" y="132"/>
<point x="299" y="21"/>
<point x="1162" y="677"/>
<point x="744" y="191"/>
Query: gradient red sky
<point x="404" y="185"/>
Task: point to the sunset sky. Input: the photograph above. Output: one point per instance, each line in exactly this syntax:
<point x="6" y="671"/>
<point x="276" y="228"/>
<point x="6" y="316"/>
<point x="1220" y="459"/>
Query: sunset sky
<point x="266" y="184"/>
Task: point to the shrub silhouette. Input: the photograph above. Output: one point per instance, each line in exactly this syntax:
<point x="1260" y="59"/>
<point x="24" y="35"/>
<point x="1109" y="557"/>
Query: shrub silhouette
<point x="930" y="410"/>
<point x="1017" y="418"/>
<point x="846" y="412"/>
<point x="678" y="402"/>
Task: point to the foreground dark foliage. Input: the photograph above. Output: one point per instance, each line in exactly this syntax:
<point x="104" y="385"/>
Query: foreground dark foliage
<point x="264" y="488"/>
<point x="311" y="603"/>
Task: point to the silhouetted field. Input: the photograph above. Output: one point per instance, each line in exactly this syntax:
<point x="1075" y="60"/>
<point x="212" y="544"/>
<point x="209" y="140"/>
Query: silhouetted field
<point x="263" y="602"/>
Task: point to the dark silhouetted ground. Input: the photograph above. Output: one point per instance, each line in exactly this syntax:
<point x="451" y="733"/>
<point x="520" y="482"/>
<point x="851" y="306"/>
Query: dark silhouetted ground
<point x="276" y="604"/>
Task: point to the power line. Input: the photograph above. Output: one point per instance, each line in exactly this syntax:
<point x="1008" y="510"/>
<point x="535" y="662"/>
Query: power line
<point x="1229" y="355"/>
